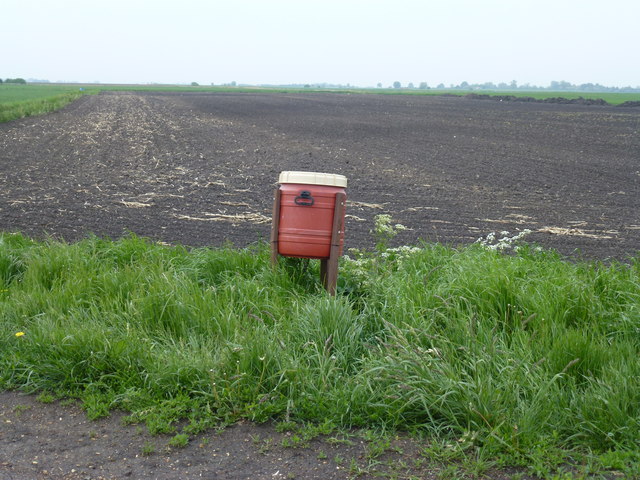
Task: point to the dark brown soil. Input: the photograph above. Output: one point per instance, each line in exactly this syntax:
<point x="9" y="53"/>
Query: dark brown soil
<point x="200" y="169"/>
<point x="55" y="441"/>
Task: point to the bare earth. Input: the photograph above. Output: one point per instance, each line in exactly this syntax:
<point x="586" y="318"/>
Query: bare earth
<point x="52" y="441"/>
<point x="200" y="169"/>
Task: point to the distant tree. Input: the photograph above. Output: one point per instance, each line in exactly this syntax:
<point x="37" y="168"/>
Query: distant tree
<point x="440" y="86"/>
<point x="423" y="86"/>
<point x="379" y="85"/>
<point x="21" y="81"/>
<point x="411" y="85"/>
<point x="591" y="87"/>
<point x="561" y="85"/>
<point x="195" y="84"/>
<point x="513" y="85"/>
<point x="397" y="84"/>
<point x="233" y="84"/>
<point x="464" y="85"/>
<point x="0" y="80"/>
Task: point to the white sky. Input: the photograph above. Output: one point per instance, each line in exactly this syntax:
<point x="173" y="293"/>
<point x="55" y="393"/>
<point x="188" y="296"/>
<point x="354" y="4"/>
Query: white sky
<point x="360" y="42"/>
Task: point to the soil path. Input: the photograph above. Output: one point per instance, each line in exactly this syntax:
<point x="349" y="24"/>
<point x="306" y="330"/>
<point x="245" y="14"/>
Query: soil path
<point x="200" y="169"/>
<point x="53" y="441"/>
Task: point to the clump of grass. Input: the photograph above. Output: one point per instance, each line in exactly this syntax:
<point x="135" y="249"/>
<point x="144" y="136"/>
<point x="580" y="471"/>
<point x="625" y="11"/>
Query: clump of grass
<point x="179" y="440"/>
<point x="518" y="356"/>
<point x="148" y="449"/>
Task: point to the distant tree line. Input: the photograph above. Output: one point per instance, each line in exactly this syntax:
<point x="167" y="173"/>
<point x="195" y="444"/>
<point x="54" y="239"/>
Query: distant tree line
<point x="20" y="81"/>
<point x="554" y="86"/>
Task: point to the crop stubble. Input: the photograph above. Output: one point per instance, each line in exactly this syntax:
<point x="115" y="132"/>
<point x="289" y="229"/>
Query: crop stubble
<point x="200" y="169"/>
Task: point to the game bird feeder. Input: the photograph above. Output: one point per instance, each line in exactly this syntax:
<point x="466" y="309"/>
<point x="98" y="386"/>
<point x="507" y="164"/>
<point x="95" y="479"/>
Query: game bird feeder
<point x="308" y="220"/>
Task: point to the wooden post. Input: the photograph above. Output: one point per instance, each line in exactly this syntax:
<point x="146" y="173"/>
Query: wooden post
<point x="324" y="263"/>
<point x="329" y="267"/>
<point x="275" y="226"/>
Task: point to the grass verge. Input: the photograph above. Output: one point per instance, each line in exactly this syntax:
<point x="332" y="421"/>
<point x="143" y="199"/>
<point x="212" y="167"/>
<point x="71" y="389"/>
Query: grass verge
<point x="526" y="359"/>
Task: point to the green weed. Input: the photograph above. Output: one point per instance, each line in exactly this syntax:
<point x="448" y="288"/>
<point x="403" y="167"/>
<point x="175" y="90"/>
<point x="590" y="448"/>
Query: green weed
<point x="180" y="440"/>
<point x="20" y="409"/>
<point x="148" y="449"/>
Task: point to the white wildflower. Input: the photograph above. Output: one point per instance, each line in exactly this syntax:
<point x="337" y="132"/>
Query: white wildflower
<point x="506" y="242"/>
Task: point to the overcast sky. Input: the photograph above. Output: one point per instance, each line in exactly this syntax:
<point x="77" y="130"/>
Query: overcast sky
<point x="357" y="42"/>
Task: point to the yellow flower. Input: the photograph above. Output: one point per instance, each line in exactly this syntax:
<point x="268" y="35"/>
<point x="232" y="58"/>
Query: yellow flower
<point x="19" y="334"/>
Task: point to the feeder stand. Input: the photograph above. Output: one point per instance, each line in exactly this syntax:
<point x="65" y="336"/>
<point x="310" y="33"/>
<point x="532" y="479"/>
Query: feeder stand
<point x="334" y="233"/>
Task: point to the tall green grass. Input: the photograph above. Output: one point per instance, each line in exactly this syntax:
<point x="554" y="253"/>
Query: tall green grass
<point x="510" y="355"/>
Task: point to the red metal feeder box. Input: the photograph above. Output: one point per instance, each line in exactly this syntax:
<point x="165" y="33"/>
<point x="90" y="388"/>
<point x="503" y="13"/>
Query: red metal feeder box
<point x="308" y="220"/>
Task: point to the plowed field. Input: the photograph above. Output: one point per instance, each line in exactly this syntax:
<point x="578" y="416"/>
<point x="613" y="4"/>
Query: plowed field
<point x="200" y="169"/>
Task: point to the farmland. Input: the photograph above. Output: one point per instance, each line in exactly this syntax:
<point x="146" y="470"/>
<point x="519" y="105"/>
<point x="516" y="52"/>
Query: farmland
<point x="18" y="101"/>
<point x="12" y="93"/>
<point x="200" y="169"/>
<point x="24" y="100"/>
<point x="487" y="359"/>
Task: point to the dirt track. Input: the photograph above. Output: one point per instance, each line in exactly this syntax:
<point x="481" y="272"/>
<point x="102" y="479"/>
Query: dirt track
<point x="200" y="169"/>
<point x="56" y="442"/>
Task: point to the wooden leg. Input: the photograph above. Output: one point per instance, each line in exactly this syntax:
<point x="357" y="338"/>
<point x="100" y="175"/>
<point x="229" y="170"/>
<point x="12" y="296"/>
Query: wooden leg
<point x="275" y="226"/>
<point x="332" y="262"/>
<point x="324" y="262"/>
<point x="332" y="275"/>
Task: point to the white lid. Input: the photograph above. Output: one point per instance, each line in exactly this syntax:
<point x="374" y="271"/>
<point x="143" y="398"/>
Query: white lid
<point x="313" y="178"/>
